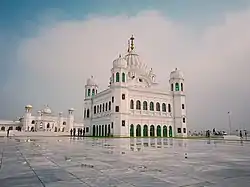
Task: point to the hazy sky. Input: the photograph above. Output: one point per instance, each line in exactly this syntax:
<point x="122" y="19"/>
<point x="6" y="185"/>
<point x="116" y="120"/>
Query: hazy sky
<point x="48" y="48"/>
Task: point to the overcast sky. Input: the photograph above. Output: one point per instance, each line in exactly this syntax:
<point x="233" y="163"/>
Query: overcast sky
<point x="49" y="48"/>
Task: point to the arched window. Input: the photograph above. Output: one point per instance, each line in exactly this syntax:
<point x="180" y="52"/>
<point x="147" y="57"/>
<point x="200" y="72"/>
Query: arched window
<point x="182" y="87"/>
<point x="97" y="109"/>
<point x="103" y="109"/>
<point x="169" y="108"/>
<point x="164" y="107"/>
<point x="106" y="107"/>
<point x="151" y="106"/>
<point x="138" y="105"/>
<point x="87" y="113"/>
<point x="109" y="105"/>
<point x="33" y="122"/>
<point x="145" y="105"/>
<point x="48" y="126"/>
<point x="123" y="77"/>
<point x="177" y="86"/>
<point x="131" y="104"/>
<point x="172" y="87"/>
<point x="94" y="109"/>
<point x="117" y="77"/>
<point x="158" y="107"/>
<point x="93" y="91"/>
<point x="2" y="128"/>
<point x="64" y="123"/>
<point x="100" y="108"/>
<point x="88" y="92"/>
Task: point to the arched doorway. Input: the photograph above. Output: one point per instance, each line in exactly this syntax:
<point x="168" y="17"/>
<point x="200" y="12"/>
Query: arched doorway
<point x="138" y="130"/>
<point x="96" y="131"/>
<point x="93" y="129"/>
<point x="2" y="128"/>
<point x="145" y="131"/>
<point x="102" y="130"/>
<point x="165" y="131"/>
<point x="105" y="130"/>
<point x="158" y="131"/>
<point x="131" y="130"/>
<point x="170" y="132"/>
<point x="152" y="131"/>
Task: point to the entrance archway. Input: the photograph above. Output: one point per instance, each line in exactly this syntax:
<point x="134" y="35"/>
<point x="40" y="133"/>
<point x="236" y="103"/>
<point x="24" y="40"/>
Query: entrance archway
<point x="152" y="131"/>
<point x="131" y="130"/>
<point x="145" y="131"/>
<point x="158" y="131"/>
<point x="170" y="131"/>
<point x="93" y="128"/>
<point x="165" y="131"/>
<point x="138" y="130"/>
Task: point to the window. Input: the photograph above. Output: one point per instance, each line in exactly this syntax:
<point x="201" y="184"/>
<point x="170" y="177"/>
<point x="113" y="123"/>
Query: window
<point x="97" y="109"/>
<point x="140" y="80"/>
<point x="123" y="96"/>
<point x="123" y="123"/>
<point x="33" y="122"/>
<point x="113" y="99"/>
<point x="184" y="120"/>
<point x="182" y="87"/>
<point x="117" y="77"/>
<point x="100" y="108"/>
<point x="88" y="92"/>
<point x="164" y="109"/>
<point x="131" y="104"/>
<point x="184" y="130"/>
<point x="123" y="77"/>
<point x="93" y="92"/>
<point x="112" y="125"/>
<point x="103" y="107"/>
<point x="138" y="105"/>
<point x="182" y="106"/>
<point x="151" y="106"/>
<point x="158" y="108"/>
<point x="116" y="108"/>
<point x="87" y="113"/>
<point x="172" y="87"/>
<point x="94" y="109"/>
<point x="106" y="107"/>
<point x="179" y="130"/>
<point x="87" y="129"/>
<point x="109" y="105"/>
<point x="177" y="87"/>
<point x="145" y="105"/>
<point x="169" y="108"/>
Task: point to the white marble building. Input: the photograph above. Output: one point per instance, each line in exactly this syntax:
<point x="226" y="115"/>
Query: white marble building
<point x="132" y="106"/>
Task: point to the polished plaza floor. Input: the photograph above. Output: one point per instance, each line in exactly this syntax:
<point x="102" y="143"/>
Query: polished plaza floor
<point x="136" y="162"/>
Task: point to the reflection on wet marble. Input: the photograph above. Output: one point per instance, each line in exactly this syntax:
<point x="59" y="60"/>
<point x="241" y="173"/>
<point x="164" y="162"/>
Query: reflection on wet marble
<point x="135" y="162"/>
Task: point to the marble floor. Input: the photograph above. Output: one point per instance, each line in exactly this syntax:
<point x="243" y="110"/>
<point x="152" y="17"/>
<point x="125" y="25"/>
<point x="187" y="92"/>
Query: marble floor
<point x="93" y="162"/>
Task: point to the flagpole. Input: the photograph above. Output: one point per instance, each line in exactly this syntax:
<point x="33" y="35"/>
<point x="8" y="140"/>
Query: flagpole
<point x="229" y="122"/>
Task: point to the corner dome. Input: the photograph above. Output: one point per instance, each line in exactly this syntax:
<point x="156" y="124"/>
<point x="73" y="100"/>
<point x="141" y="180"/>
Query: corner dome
<point x="176" y="74"/>
<point x="120" y="63"/>
<point x="91" y="81"/>
<point x="28" y="106"/>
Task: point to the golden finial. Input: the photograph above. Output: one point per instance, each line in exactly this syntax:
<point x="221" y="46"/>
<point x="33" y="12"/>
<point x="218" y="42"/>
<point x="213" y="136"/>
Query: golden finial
<point x="132" y="42"/>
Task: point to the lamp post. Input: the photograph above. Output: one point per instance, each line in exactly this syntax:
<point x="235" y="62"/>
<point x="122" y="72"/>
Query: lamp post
<point x="229" y="122"/>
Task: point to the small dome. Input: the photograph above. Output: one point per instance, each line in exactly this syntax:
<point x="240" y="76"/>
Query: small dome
<point x="91" y="81"/>
<point x="46" y="110"/>
<point x="71" y="109"/>
<point x="28" y="106"/>
<point x="176" y="74"/>
<point x="120" y="63"/>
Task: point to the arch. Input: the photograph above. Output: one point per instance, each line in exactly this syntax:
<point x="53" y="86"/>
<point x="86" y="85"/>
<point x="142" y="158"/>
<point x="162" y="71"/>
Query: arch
<point x="109" y="105"/>
<point x="93" y="92"/>
<point x="48" y="125"/>
<point x="131" y="104"/>
<point x="89" y="92"/>
<point x="177" y="86"/>
<point x="172" y="87"/>
<point x="145" y="105"/>
<point x="109" y="130"/>
<point x="106" y="107"/>
<point x="33" y="122"/>
<point x="170" y="131"/>
<point x="123" y="77"/>
<point x="165" y="131"/>
<point x="158" y="131"/>
<point x="100" y="130"/>
<point x="151" y="106"/>
<point x="169" y="108"/>
<point x="158" y="107"/>
<point x="164" y="109"/>
<point x="87" y="113"/>
<point x="152" y="131"/>
<point x="145" y="131"/>
<point x="138" y="105"/>
<point x="131" y="130"/>
<point x="106" y="130"/>
<point x="3" y="128"/>
<point x="93" y="130"/>
<point x="138" y="130"/>
<point x="117" y="77"/>
<point x="64" y="123"/>
<point x="182" y="87"/>
<point x="97" y="130"/>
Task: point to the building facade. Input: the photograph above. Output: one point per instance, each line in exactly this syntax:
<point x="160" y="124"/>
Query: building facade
<point x="132" y="106"/>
